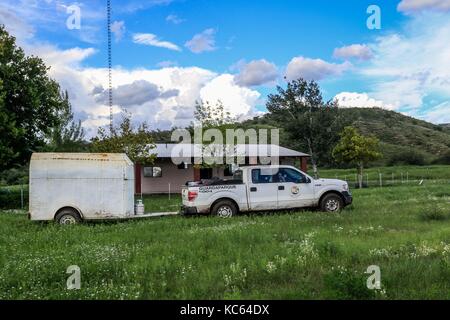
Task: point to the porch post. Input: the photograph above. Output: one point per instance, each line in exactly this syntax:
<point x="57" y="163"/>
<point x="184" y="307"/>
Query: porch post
<point x="137" y="178"/>
<point x="196" y="174"/>
<point x="304" y="164"/>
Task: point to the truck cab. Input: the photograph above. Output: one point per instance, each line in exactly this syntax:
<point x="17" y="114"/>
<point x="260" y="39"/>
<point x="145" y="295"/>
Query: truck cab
<point x="264" y="188"/>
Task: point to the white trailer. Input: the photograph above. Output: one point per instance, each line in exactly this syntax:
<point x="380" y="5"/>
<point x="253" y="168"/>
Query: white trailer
<point x="71" y="187"/>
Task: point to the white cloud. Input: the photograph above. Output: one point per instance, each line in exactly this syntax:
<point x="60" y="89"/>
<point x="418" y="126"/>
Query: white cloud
<point x="239" y="101"/>
<point x="167" y="64"/>
<point x="135" y="94"/>
<point x="23" y="17"/>
<point x="60" y="58"/>
<point x="202" y="42"/>
<point x="173" y="18"/>
<point x="152" y="40"/>
<point x="358" y="51"/>
<point x="314" y="69"/>
<point x="411" y="6"/>
<point x="359" y="100"/>
<point x="256" y="72"/>
<point x="412" y="64"/>
<point x="14" y="25"/>
<point x="162" y="97"/>
<point x="118" y="29"/>
<point x="132" y="6"/>
<point x="437" y="114"/>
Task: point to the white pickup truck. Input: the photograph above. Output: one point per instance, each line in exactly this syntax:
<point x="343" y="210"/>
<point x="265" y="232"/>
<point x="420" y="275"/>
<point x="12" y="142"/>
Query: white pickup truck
<point x="263" y="188"/>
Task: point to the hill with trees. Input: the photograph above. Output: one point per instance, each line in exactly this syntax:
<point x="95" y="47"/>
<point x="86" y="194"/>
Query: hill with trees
<point x="403" y="139"/>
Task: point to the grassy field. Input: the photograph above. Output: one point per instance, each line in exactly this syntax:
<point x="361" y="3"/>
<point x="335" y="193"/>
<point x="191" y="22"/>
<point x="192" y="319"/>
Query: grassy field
<point x="404" y="229"/>
<point x="396" y="175"/>
<point x="162" y="203"/>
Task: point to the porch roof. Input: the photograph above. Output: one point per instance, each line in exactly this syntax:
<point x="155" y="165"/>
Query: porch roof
<point x="178" y="150"/>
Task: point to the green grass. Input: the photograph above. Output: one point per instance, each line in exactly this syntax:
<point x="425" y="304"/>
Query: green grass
<point x="162" y="202"/>
<point x="396" y="175"/>
<point x="291" y="255"/>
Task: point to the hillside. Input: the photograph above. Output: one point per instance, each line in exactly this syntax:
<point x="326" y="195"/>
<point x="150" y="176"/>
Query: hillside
<point x="401" y="136"/>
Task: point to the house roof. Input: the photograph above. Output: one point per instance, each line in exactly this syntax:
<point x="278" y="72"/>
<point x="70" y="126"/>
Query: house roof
<point x="178" y="150"/>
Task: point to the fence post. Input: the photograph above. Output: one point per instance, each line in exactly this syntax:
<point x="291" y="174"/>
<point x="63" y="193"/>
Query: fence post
<point x="381" y="180"/>
<point x="21" y="196"/>
<point x="169" y="190"/>
<point x="407" y="177"/>
<point x="367" y="179"/>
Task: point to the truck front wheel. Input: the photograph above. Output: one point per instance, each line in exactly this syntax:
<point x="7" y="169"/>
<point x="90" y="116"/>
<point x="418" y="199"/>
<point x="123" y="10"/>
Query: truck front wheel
<point x="224" y="209"/>
<point x="68" y="216"/>
<point x="331" y="203"/>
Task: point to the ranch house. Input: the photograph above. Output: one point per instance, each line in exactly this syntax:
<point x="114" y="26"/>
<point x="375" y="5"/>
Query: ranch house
<point x="164" y="176"/>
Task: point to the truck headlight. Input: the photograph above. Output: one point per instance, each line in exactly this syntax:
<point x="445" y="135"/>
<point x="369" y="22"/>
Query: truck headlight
<point x="345" y="187"/>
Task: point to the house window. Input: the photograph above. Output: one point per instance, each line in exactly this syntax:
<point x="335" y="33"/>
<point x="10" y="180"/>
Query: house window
<point x="152" y="172"/>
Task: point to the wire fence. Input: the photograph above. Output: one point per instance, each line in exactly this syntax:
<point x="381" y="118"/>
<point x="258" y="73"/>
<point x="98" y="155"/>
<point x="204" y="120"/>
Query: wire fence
<point x="371" y="180"/>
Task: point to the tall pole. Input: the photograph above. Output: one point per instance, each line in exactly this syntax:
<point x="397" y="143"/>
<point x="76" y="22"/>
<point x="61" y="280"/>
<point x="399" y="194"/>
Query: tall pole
<point x="110" y="96"/>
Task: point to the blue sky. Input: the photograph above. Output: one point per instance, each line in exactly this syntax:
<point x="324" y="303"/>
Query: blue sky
<point x="169" y="53"/>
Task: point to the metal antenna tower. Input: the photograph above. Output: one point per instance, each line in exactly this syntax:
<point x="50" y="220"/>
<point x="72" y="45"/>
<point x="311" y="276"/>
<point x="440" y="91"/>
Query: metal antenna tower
<point x="110" y="96"/>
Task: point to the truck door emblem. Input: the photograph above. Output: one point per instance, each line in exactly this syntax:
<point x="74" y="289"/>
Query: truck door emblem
<point x="295" y="190"/>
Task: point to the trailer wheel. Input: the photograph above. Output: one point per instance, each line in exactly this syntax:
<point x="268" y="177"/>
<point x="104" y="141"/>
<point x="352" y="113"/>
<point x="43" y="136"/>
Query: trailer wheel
<point x="67" y="216"/>
<point x="331" y="203"/>
<point x="224" y="209"/>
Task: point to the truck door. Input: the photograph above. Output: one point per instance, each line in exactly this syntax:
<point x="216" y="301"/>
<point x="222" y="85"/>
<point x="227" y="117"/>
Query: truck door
<point x="294" y="189"/>
<point x="262" y="189"/>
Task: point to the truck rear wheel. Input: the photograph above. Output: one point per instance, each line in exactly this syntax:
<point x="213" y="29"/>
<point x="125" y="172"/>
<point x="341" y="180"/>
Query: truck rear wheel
<point x="331" y="203"/>
<point x="68" y="216"/>
<point x="224" y="209"/>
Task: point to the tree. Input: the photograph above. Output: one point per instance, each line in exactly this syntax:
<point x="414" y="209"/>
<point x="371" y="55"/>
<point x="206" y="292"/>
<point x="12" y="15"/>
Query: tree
<point x="356" y="149"/>
<point x="210" y="116"/>
<point x="137" y="144"/>
<point x="310" y="122"/>
<point x="30" y="102"/>
<point x="67" y="135"/>
<point x="8" y="132"/>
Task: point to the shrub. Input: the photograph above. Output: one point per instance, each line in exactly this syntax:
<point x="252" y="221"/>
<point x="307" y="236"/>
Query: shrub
<point x="434" y="213"/>
<point x="14" y="176"/>
<point x="342" y="283"/>
<point x="444" y="159"/>
<point x="11" y="198"/>
<point x="407" y="157"/>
